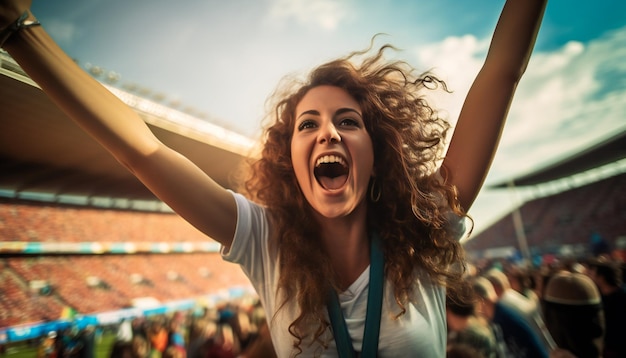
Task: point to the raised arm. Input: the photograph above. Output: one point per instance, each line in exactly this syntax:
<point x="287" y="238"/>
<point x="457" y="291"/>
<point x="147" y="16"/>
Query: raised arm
<point x="478" y="130"/>
<point x="170" y="176"/>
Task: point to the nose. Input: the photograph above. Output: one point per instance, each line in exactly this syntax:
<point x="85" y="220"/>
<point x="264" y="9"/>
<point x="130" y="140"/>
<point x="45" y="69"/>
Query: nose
<point x="329" y="134"/>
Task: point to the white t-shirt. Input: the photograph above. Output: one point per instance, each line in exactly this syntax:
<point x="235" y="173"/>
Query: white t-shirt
<point x="420" y="332"/>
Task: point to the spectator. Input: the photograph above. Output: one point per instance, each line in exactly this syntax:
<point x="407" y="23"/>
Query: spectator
<point x="125" y="331"/>
<point x="202" y="331"/>
<point x="48" y="347"/>
<point x="465" y="328"/>
<point x="573" y="314"/>
<point x="262" y="346"/>
<point x="157" y="336"/>
<point x="70" y="342"/>
<point x="461" y="350"/>
<point x="608" y="277"/>
<point x="526" y="308"/>
<point x="520" y="339"/>
<point x="176" y="336"/>
<point x="140" y="346"/>
<point x="88" y="342"/>
<point x="522" y="281"/>
<point x="122" y="349"/>
<point x="174" y="352"/>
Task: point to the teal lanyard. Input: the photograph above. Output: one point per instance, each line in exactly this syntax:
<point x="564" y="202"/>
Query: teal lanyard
<point x="374" y="308"/>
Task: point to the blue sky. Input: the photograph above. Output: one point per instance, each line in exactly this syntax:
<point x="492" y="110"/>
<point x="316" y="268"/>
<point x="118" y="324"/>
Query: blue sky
<point x="223" y="58"/>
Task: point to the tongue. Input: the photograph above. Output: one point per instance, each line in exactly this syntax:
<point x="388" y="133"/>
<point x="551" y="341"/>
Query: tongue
<point x="333" y="183"/>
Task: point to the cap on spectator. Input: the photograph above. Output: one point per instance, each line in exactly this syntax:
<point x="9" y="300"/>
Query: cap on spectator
<point x="570" y="288"/>
<point x="498" y="279"/>
<point x="484" y="289"/>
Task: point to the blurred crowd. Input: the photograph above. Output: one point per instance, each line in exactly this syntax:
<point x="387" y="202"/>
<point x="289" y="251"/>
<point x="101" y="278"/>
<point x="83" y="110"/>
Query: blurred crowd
<point x="234" y="329"/>
<point x="565" y="309"/>
<point x="559" y="310"/>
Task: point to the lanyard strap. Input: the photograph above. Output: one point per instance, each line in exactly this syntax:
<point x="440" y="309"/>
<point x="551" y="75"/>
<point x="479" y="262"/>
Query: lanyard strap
<point x="374" y="309"/>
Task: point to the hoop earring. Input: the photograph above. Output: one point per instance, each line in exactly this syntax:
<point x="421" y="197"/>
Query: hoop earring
<point x="375" y="191"/>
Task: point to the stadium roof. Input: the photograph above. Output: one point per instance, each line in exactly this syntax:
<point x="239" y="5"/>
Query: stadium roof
<point x="42" y="151"/>
<point x="605" y="152"/>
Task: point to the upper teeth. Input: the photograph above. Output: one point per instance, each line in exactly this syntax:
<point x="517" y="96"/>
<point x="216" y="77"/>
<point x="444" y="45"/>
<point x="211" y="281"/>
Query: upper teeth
<point x="330" y="159"/>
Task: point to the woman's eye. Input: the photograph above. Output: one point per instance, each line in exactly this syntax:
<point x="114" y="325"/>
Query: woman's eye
<point x="349" y="122"/>
<point x="306" y="125"/>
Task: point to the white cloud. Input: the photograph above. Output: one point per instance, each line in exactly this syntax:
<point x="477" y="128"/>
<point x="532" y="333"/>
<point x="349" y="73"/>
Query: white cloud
<point x="456" y="60"/>
<point x="323" y="14"/>
<point x="568" y="99"/>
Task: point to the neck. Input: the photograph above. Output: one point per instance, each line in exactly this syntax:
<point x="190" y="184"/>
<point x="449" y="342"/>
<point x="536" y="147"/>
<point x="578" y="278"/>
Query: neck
<point x="346" y="241"/>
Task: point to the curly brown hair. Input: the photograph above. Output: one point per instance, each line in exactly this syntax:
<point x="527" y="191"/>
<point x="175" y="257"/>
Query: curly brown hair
<point x="412" y="214"/>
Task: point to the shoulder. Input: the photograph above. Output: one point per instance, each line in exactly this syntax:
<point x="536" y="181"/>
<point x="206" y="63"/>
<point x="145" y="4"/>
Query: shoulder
<point x="249" y="247"/>
<point x="252" y="220"/>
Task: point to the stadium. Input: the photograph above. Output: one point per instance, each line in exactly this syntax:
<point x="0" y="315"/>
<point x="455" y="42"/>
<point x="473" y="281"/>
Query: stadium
<point x="84" y="243"/>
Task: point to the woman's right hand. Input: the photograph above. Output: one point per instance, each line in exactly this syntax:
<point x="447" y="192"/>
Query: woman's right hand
<point x="11" y="10"/>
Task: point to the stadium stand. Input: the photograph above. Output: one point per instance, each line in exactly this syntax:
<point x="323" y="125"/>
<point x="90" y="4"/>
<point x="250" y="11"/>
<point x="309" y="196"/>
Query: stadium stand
<point x="567" y="218"/>
<point x="29" y="221"/>
<point x="90" y="282"/>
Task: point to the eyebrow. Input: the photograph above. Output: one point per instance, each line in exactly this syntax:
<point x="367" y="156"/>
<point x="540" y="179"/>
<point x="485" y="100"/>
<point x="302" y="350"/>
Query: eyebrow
<point x="338" y="112"/>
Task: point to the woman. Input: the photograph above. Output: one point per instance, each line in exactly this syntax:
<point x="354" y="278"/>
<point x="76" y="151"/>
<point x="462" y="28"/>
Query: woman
<point x="348" y="170"/>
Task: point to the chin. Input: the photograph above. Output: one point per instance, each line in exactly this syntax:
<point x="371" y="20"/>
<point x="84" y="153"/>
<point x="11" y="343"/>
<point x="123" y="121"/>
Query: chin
<point x="336" y="211"/>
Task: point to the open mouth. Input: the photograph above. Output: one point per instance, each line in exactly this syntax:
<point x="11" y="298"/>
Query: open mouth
<point x="331" y="172"/>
